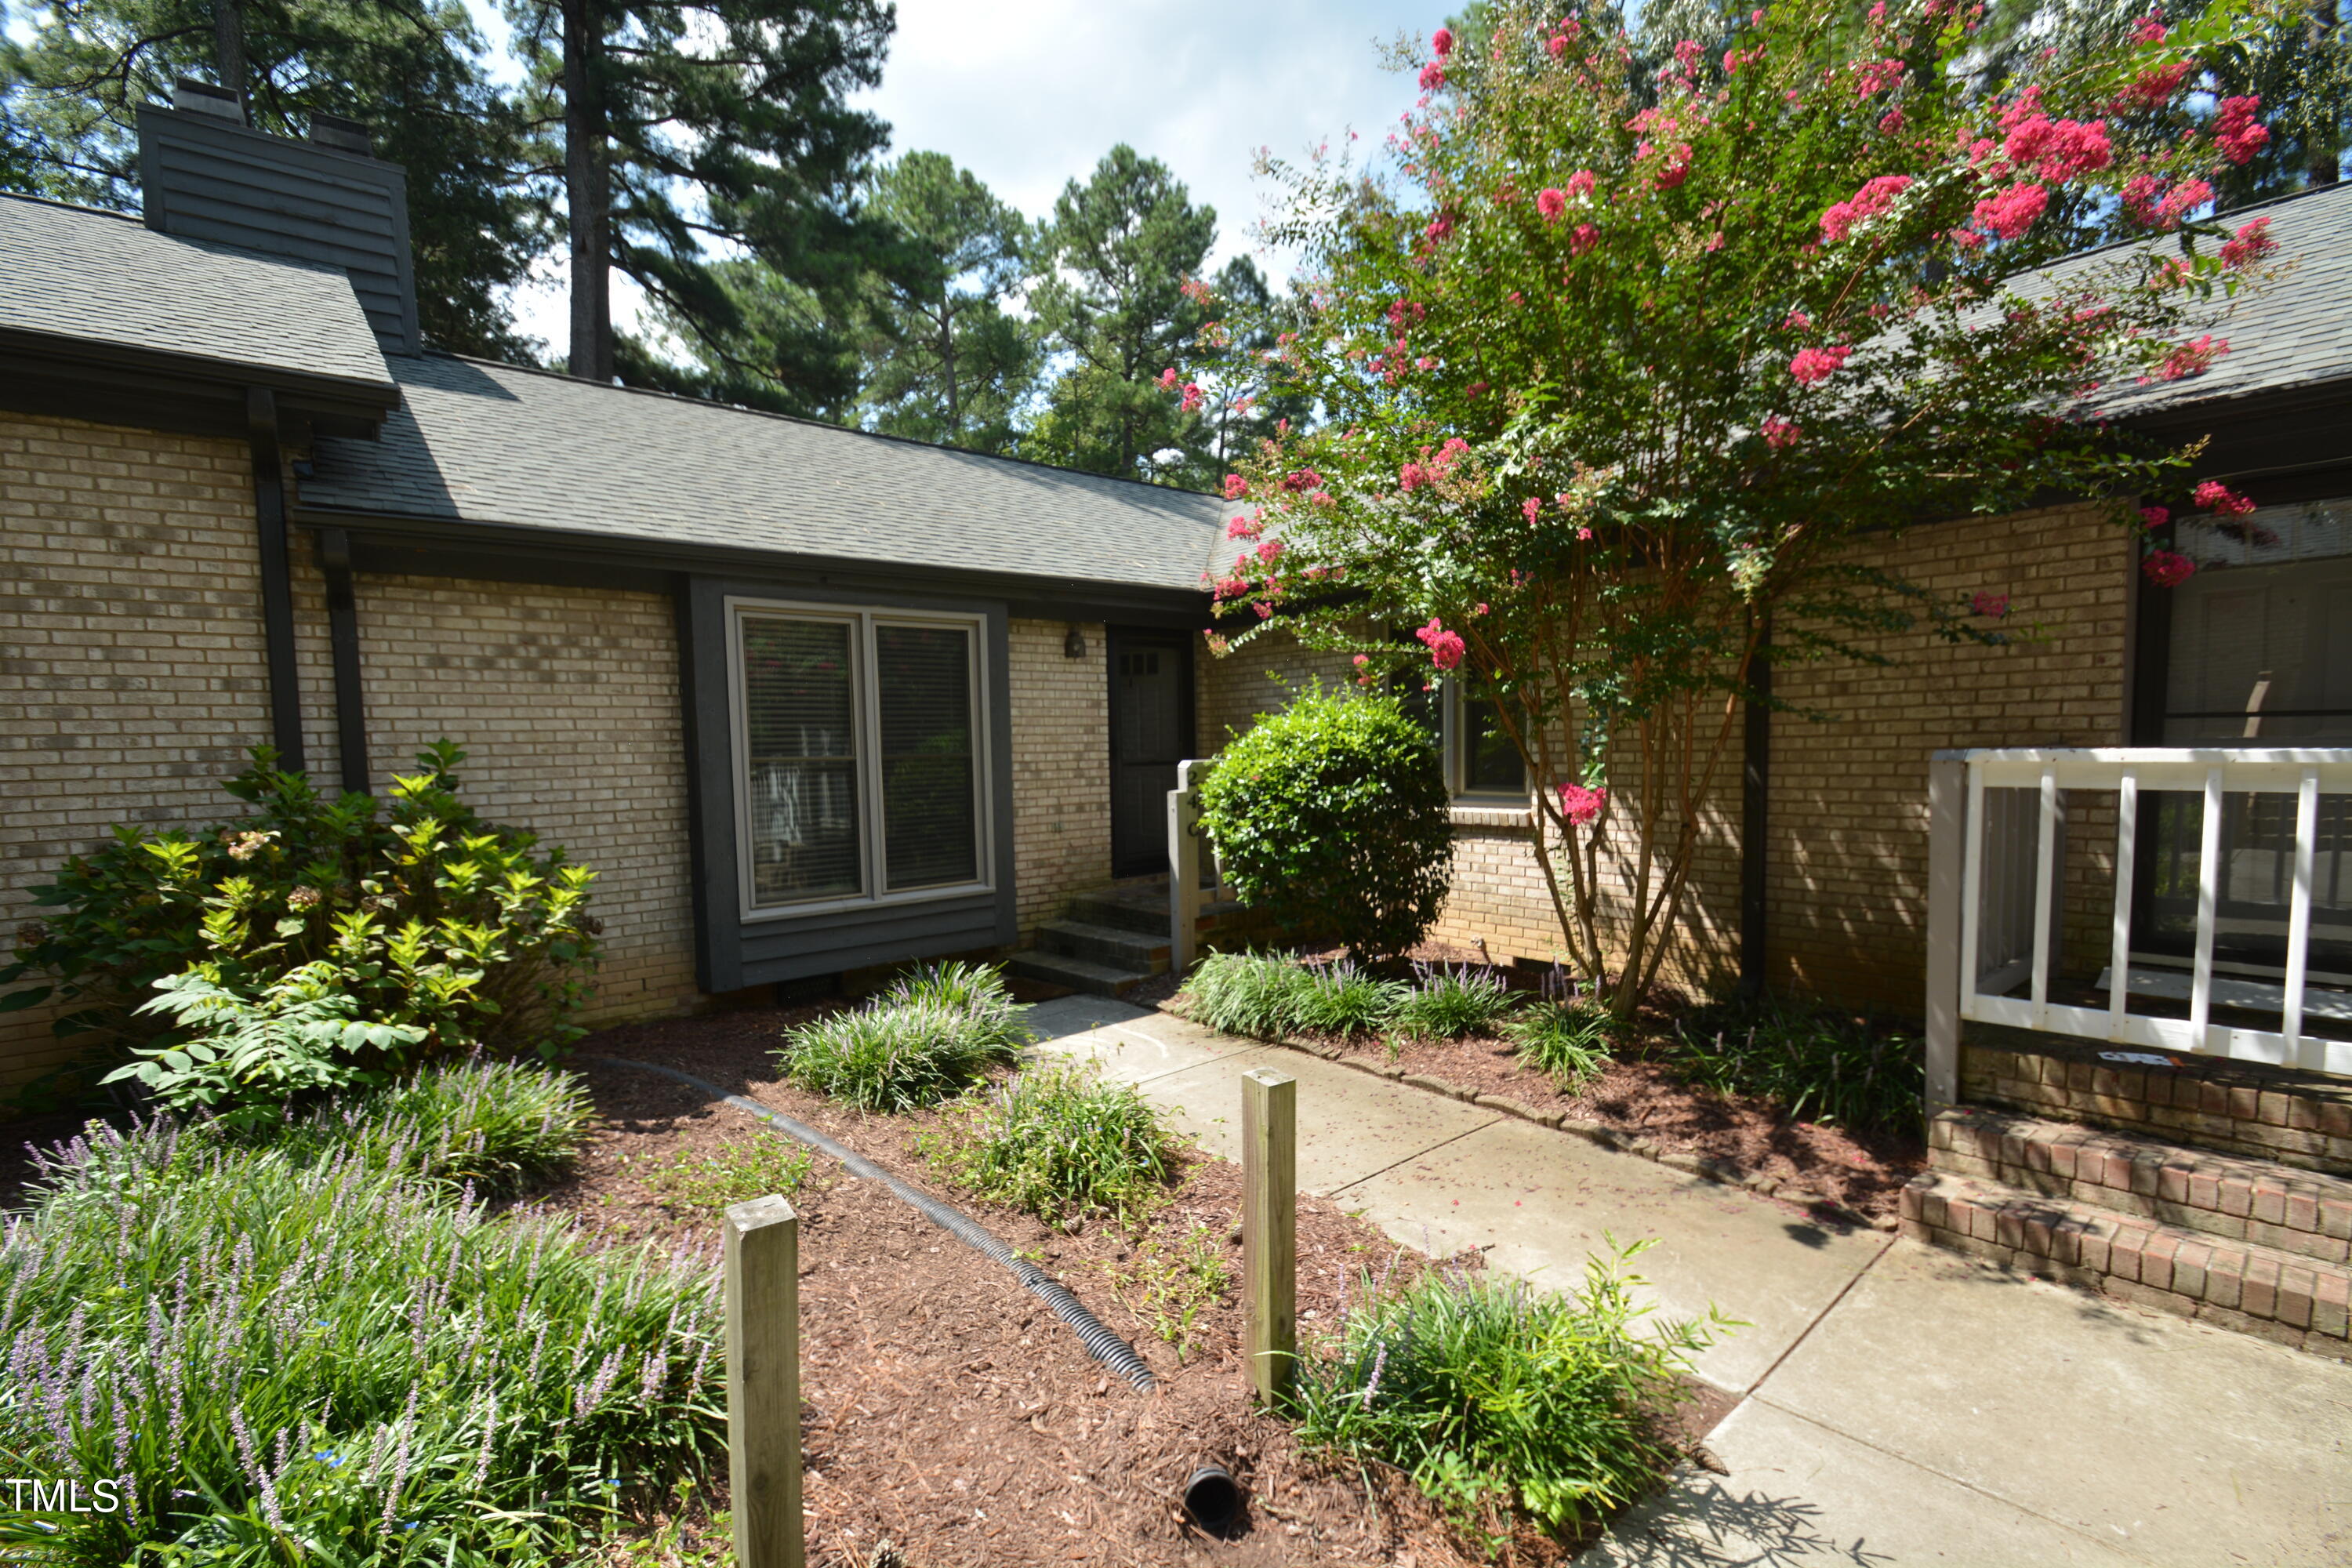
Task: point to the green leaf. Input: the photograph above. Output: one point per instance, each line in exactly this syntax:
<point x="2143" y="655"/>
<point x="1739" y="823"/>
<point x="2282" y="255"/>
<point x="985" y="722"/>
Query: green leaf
<point x="17" y="1000"/>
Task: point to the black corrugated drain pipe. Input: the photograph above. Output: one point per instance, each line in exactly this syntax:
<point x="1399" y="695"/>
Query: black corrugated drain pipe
<point x="1101" y="1343"/>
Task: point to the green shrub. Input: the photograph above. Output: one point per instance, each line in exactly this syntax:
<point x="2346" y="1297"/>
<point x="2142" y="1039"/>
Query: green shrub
<point x="751" y="1166"/>
<point x="1818" y="1064"/>
<point x="1341" y="999"/>
<point x="925" y="1040"/>
<point x="1493" y="1396"/>
<point x="1450" y="1003"/>
<point x="1569" y="1040"/>
<point x="451" y="931"/>
<point x="290" y="1354"/>
<point x="1333" y="816"/>
<point x="1059" y="1143"/>
<point x="1246" y="993"/>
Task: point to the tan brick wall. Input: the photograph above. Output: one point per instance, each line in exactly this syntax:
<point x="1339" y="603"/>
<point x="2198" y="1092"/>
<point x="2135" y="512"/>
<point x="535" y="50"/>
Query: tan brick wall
<point x="1061" y="767"/>
<point x="1849" y="854"/>
<point x="131" y="656"/>
<point x="1848" y="859"/>
<point x="1232" y="691"/>
<point x="566" y="700"/>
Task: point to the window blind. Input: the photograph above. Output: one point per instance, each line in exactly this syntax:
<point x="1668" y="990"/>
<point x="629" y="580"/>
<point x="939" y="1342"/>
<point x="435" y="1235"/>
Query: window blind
<point x="931" y="825"/>
<point x="800" y="702"/>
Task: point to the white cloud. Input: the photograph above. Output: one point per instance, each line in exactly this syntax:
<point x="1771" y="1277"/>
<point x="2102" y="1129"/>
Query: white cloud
<point x="1029" y="94"/>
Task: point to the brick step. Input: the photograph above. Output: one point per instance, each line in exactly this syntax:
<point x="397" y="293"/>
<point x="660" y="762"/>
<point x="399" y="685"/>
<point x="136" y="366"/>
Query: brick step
<point x="1113" y="945"/>
<point x="2284" y="1297"/>
<point x="2229" y="1196"/>
<point x="1077" y="974"/>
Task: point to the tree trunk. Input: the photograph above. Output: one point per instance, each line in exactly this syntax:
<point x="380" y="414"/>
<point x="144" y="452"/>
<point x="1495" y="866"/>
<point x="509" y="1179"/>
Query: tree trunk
<point x="228" y="49"/>
<point x="2322" y="156"/>
<point x="587" y="194"/>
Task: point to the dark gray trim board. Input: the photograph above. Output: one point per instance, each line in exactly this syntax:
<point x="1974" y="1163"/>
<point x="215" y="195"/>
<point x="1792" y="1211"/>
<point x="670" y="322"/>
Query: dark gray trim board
<point x="277" y="579"/>
<point x="733" y="952"/>
<point x="107" y="384"/>
<point x="513" y="553"/>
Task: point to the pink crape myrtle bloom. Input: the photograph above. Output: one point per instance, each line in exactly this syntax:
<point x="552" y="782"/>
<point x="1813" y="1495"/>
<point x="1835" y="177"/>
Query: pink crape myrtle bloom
<point x="2237" y="132"/>
<point x="1445" y="648"/>
<point x="1585" y="237"/>
<point x="1432" y="77"/>
<point x="1580" y="184"/>
<point x="2150" y="30"/>
<point x="1552" y="204"/>
<point x="1531" y="509"/>
<point x="2155" y="89"/>
<point x="1874" y="197"/>
<point x="1242" y="528"/>
<point x="1992" y="606"/>
<point x="1442" y="41"/>
<point x="2013" y="211"/>
<point x="1813" y="365"/>
<point x="1778" y="432"/>
<point x="2215" y="496"/>
<point x="2249" y="245"/>
<point x="1270" y="551"/>
<point x="2154" y="517"/>
<point x="1168" y="378"/>
<point x="2193" y="357"/>
<point x="2057" y="150"/>
<point x="1412" y="476"/>
<point x="1236" y="487"/>
<point x="2168" y="568"/>
<point x="1581" y="805"/>
<point x="1191" y="400"/>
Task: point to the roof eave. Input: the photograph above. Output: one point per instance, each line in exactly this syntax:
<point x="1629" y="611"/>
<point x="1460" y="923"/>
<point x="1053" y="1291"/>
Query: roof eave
<point x="124" y="384"/>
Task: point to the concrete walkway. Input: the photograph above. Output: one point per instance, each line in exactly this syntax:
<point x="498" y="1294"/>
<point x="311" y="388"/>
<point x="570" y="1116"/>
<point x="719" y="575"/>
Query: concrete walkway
<point x="1896" y="1405"/>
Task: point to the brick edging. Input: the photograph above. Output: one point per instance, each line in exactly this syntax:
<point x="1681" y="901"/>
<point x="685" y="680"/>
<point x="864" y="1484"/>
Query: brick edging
<point x="1723" y="1172"/>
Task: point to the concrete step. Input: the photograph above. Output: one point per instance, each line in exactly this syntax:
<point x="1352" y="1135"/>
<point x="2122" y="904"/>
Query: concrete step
<point x="1145" y="910"/>
<point x="1077" y="974"/>
<point x="1113" y="945"/>
<point x="2286" y="1297"/>
<point x="2231" y="1196"/>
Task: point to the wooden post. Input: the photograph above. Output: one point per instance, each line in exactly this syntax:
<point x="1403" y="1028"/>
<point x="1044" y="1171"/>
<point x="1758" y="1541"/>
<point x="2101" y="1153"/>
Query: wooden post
<point x="764" y="1382"/>
<point x="1270" y="1226"/>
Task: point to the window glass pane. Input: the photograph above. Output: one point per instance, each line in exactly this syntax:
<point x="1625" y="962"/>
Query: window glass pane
<point x="1490" y="764"/>
<point x="930" y="830"/>
<point x="801" y="755"/>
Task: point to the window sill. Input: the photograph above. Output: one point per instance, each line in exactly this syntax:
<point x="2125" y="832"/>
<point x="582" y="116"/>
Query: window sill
<point x="1471" y="814"/>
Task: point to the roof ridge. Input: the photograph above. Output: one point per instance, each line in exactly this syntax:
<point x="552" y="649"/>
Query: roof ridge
<point x="592" y="383"/>
<point x="31" y="200"/>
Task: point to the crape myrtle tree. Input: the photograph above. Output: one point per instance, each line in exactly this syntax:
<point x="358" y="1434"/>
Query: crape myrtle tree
<point x="1621" y="356"/>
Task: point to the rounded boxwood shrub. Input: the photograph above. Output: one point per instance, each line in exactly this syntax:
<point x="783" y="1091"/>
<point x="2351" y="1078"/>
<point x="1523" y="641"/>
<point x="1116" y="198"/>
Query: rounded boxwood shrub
<point x="1332" y="816"/>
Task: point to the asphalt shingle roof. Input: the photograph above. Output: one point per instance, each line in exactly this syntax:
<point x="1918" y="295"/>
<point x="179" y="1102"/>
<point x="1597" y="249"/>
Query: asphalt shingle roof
<point x="2296" y="331"/>
<point x="99" y="277"/>
<point x="490" y="443"/>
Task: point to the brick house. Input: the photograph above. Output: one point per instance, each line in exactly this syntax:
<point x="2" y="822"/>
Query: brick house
<point x="244" y="503"/>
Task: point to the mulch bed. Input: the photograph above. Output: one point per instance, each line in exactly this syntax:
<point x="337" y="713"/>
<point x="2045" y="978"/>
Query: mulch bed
<point x="1639" y="1096"/>
<point x="948" y="1411"/>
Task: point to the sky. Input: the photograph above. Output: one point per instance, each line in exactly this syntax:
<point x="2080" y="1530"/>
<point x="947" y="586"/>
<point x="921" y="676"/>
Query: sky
<point x="1028" y="94"/>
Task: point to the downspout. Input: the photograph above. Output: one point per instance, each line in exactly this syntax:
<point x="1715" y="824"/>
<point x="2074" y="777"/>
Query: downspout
<point x="1755" y="794"/>
<point x="277" y="580"/>
<point x="344" y="639"/>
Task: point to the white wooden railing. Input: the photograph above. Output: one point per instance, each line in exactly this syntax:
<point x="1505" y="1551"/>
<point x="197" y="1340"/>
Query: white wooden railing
<point x="1997" y="910"/>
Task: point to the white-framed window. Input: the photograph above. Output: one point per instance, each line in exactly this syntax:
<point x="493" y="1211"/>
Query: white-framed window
<point x="1481" y="764"/>
<point x="861" y="756"/>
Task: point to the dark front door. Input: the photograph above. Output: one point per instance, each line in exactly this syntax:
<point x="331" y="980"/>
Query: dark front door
<point x="1150" y="732"/>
